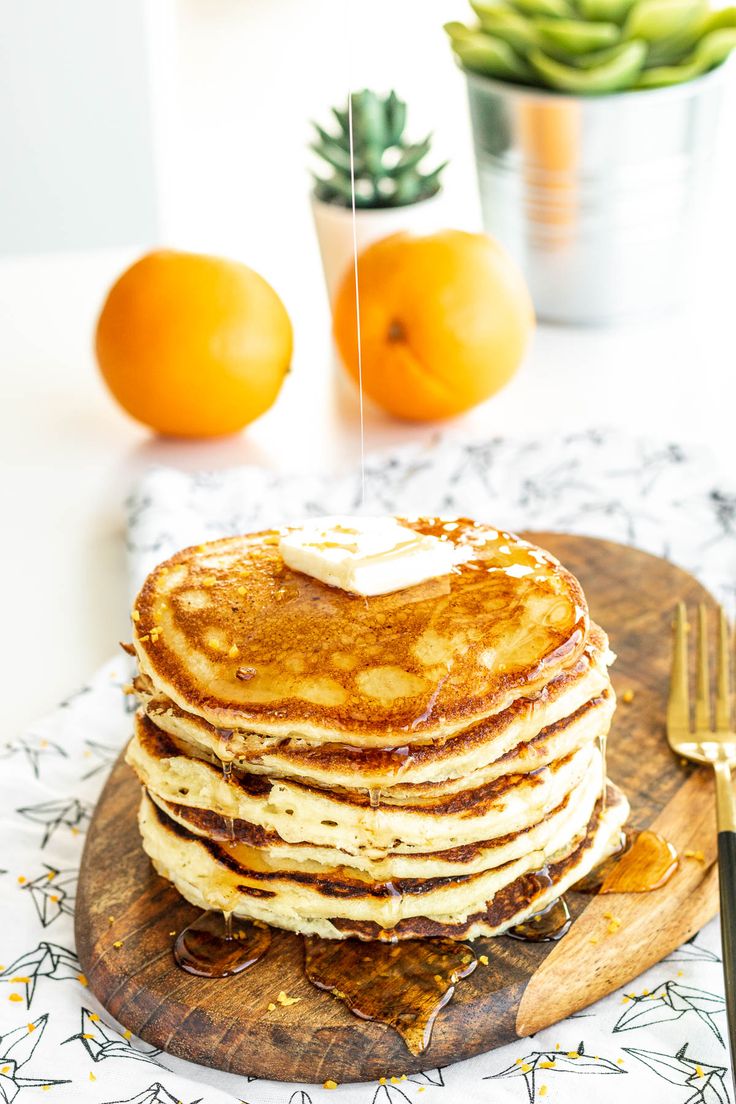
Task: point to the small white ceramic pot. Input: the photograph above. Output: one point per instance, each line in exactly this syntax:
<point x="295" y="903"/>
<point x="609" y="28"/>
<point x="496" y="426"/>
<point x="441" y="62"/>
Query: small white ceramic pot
<point x="334" y="225"/>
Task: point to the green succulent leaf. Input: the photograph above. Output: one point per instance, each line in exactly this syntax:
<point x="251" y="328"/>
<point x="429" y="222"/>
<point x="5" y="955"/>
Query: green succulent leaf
<point x="594" y="58"/>
<point x="619" y="71"/>
<point x="656" y="20"/>
<point x="712" y="50"/>
<point x="410" y="157"/>
<point x="484" y="53"/>
<point x="342" y="119"/>
<point x="396" y="113"/>
<point x="715" y="20"/>
<point x="340" y="141"/>
<point x="511" y="27"/>
<point x="333" y="155"/>
<point x="607" y="11"/>
<point x="576" y="36"/>
<point x="555" y="8"/>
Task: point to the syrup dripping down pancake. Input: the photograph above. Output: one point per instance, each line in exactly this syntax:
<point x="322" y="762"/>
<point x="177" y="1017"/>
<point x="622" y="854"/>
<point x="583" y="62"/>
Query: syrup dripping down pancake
<point x="332" y="905"/>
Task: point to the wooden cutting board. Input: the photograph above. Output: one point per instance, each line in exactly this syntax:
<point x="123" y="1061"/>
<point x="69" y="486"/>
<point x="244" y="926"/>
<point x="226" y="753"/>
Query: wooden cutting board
<point x="226" y="1023"/>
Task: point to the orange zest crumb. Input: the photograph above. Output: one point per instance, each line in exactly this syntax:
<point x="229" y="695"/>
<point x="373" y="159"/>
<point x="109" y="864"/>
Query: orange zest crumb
<point x="15" y="997"/>
<point x="272" y="1007"/>
<point x="483" y="959"/>
<point x="547" y="1065"/>
<point x="92" y="1076"/>
<point x="94" y="1017"/>
<point x="285" y="1001"/>
<point x="118" y="944"/>
<point x="82" y="979"/>
<point x="572" y="1054"/>
<point x="19" y="978"/>
<point x="127" y="1034"/>
<point x="21" y="879"/>
<point x="627" y="696"/>
<point x="330" y="1085"/>
<point x="542" y="1090"/>
<point x="697" y="855"/>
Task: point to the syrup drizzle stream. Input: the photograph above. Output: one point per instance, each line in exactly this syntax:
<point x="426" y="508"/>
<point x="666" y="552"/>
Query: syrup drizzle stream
<point x="357" y="289"/>
<point x="401" y="984"/>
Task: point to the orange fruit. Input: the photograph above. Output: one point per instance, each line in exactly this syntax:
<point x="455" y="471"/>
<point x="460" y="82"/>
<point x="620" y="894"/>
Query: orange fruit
<point x="444" y="322"/>
<point x="193" y="346"/>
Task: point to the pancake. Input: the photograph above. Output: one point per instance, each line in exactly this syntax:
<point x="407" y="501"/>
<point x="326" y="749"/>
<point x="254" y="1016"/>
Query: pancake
<point x="346" y="819"/>
<point x="591" y="719"/>
<point x="413" y="763"/>
<point x="227" y="631"/>
<point x="425" y="762"/>
<point x="564" y="822"/>
<point x="332" y="904"/>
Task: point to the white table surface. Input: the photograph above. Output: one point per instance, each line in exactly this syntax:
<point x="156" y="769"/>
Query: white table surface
<point x="69" y="455"/>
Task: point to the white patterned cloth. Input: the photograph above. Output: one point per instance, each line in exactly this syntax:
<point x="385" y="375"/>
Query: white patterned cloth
<point x="662" y="1038"/>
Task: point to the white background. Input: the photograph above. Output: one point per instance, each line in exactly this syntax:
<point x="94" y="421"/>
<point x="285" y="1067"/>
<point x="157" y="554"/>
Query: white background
<point x="233" y="85"/>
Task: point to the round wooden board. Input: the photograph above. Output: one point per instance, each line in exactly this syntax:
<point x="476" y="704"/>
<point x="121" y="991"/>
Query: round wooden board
<point x="226" y="1023"/>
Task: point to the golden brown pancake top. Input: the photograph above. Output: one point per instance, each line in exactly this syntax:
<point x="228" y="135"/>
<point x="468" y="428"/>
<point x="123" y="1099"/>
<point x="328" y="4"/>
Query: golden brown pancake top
<point x="230" y="632"/>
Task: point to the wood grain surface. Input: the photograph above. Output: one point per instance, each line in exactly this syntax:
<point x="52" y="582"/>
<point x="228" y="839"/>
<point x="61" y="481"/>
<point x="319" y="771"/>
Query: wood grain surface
<point x="226" y="1023"/>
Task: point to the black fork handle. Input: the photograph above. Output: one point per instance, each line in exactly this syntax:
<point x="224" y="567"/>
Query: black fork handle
<point x="726" y="817"/>
<point x="727" y="884"/>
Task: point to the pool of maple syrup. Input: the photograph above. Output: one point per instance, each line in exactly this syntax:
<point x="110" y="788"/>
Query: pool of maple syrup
<point x="543" y="927"/>
<point x="402" y="984"/>
<point x="644" y="862"/>
<point x="405" y="984"/>
<point x="215" y="946"/>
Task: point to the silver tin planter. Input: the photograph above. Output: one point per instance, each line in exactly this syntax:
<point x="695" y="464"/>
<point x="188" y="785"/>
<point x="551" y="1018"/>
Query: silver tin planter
<point x="598" y="198"/>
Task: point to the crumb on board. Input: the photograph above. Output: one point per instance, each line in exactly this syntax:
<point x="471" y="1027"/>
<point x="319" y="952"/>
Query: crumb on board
<point x="483" y="959"/>
<point x="697" y="855"/>
<point x="285" y="1000"/>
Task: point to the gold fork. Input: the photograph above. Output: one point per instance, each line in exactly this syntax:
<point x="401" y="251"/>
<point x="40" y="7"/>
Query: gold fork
<point x="713" y="744"/>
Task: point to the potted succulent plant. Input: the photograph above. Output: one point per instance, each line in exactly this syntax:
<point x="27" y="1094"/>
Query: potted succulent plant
<point x="594" y="124"/>
<point x="393" y="190"/>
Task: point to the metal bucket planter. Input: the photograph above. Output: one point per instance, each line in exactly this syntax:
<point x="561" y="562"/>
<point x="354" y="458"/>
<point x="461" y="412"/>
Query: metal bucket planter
<point x="598" y="198"/>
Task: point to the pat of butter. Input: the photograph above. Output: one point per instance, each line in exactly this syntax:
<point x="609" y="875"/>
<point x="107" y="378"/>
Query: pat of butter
<point x="367" y="555"/>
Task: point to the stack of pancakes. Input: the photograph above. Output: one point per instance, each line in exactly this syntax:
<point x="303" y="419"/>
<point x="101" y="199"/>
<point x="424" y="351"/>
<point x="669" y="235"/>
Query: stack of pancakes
<point x="425" y="762"/>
